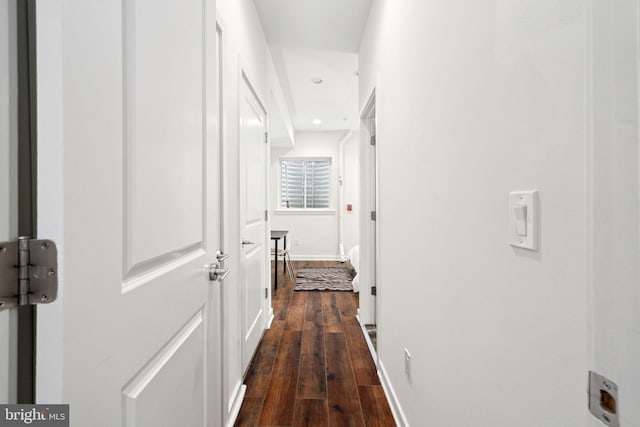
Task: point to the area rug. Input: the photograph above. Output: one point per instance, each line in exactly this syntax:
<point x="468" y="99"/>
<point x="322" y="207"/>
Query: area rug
<point x="324" y="279"/>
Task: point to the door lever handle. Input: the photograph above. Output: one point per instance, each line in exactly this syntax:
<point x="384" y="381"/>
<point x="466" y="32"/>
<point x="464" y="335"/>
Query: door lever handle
<point x="221" y="256"/>
<point x="219" y="274"/>
<point x="247" y="242"/>
<point x="216" y="273"/>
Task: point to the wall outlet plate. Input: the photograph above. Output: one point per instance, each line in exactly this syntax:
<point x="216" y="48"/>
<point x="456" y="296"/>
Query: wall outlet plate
<point x="523" y="219"/>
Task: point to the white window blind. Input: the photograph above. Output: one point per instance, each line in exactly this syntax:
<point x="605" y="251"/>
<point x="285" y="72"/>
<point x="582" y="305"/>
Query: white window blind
<point x="305" y="183"/>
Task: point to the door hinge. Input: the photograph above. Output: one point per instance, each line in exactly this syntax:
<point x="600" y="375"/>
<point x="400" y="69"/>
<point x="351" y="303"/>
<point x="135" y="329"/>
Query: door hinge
<point x="266" y="293"/>
<point x="266" y="215"/>
<point x="374" y="216"/>
<point x="374" y="290"/>
<point x="28" y="272"/>
<point x="266" y="137"/>
<point x="372" y="141"/>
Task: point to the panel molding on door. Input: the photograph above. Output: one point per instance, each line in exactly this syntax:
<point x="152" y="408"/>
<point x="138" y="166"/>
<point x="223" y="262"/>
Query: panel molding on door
<point x="152" y="90"/>
<point x="141" y="397"/>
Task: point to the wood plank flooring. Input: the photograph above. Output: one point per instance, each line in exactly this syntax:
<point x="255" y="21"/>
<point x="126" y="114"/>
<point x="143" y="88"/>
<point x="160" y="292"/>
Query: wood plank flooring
<point x="313" y="367"/>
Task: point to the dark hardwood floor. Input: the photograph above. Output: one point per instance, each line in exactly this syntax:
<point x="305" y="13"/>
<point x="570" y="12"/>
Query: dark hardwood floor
<point x="313" y="367"/>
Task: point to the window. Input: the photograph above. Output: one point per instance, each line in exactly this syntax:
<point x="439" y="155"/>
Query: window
<point x="305" y="183"/>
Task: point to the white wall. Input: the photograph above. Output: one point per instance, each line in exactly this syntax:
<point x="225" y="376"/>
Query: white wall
<point x="351" y="192"/>
<point x="612" y="165"/>
<point x="244" y="49"/>
<point x="314" y="236"/>
<point x="281" y="131"/>
<point x="476" y="99"/>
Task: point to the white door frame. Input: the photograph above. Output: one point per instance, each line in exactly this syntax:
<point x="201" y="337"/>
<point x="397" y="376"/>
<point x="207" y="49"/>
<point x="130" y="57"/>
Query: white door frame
<point x="232" y="388"/>
<point x="228" y="409"/>
<point x="50" y="106"/>
<point x="612" y="170"/>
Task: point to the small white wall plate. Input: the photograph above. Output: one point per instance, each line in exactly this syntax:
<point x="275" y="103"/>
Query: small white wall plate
<point x="523" y="219"/>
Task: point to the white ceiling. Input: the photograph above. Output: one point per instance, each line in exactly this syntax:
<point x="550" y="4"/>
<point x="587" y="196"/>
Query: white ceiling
<point x="317" y="38"/>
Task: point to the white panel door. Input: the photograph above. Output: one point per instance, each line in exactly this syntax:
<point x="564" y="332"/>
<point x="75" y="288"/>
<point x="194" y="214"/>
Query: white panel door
<point x="368" y="227"/>
<point x="8" y="184"/>
<point x="140" y="203"/>
<point x="373" y="221"/>
<point x="253" y="202"/>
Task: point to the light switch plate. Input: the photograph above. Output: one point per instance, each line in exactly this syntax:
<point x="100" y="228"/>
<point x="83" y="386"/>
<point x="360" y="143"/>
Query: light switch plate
<point x="517" y="199"/>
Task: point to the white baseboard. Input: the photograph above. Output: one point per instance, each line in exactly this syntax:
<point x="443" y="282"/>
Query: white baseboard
<point x="392" y="398"/>
<point x="367" y="338"/>
<point x="314" y="257"/>
<point x="236" y="405"/>
<point x="271" y="317"/>
<point x="394" y="404"/>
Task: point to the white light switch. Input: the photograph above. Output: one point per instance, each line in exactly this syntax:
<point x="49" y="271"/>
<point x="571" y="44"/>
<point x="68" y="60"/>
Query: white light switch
<point x="520" y="211"/>
<point x="523" y="219"/>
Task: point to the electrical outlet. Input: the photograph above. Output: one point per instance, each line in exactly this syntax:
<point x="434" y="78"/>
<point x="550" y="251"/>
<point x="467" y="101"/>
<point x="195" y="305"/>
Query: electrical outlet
<point x="296" y="242"/>
<point x="407" y="364"/>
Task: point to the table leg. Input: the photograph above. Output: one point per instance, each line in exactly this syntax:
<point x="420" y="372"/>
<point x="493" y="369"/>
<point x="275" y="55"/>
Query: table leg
<point x="275" y="278"/>
<point x="284" y="263"/>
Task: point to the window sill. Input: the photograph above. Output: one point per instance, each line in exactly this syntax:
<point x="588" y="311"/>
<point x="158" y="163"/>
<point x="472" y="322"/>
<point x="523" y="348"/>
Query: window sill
<point x="304" y="212"/>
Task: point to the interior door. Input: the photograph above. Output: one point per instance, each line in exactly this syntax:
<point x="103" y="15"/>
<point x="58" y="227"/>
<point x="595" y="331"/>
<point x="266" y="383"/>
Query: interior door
<point x="139" y="205"/>
<point x="8" y="186"/>
<point x="373" y="223"/>
<point x="253" y="202"/>
<point x="368" y="225"/>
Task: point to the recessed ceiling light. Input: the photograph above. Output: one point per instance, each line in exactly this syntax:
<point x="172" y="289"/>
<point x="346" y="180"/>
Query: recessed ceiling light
<point x="317" y="122"/>
<point x="316" y="80"/>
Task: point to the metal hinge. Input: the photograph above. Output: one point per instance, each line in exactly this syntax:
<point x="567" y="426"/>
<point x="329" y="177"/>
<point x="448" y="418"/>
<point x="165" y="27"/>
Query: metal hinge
<point x="374" y="290"/>
<point x="28" y="272"/>
<point x="266" y="215"/>
<point x="373" y="215"/>
<point x="266" y="137"/>
<point x="266" y="292"/>
<point x="372" y="141"/>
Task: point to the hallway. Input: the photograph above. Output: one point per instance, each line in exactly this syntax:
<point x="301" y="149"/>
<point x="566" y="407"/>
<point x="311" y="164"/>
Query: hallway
<point x="313" y="366"/>
<point x="478" y="162"/>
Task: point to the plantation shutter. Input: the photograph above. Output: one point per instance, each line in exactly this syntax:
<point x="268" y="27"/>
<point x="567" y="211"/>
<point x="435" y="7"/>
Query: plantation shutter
<point x="292" y="184"/>
<point x="317" y="185"/>
<point x="305" y="183"/>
